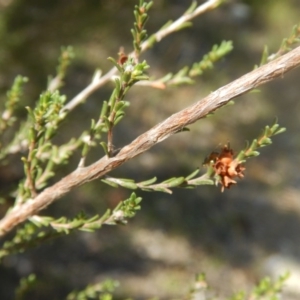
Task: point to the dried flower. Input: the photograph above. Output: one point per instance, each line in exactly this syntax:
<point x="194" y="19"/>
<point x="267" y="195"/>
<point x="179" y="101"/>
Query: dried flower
<point x="122" y="56"/>
<point x="225" y="166"/>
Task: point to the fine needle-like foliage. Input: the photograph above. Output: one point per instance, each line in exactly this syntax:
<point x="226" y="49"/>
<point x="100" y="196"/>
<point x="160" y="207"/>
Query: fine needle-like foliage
<point x="266" y="289"/>
<point x="33" y="139"/>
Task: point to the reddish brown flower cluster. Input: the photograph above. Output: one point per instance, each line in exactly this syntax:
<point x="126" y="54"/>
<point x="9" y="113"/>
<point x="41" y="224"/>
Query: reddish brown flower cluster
<point x="226" y="166"/>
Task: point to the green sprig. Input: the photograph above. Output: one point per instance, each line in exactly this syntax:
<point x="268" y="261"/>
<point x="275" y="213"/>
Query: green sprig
<point x="286" y="45"/>
<point x="44" y="228"/>
<point x="13" y="97"/>
<point x="95" y="291"/>
<point x="43" y="122"/>
<point x="26" y="284"/>
<point x="113" y="110"/>
<point x="262" y="141"/>
<point x="208" y="60"/>
<point x="141" y="17"/>
<point x="269" y="289"/>
<point x="66" y="56"/>
<point x="186" y="74"/>
<point x="149" y="185"/>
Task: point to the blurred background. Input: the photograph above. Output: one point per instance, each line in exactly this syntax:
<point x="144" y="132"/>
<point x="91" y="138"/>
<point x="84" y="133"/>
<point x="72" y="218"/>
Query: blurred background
<point x="236" y="237"/>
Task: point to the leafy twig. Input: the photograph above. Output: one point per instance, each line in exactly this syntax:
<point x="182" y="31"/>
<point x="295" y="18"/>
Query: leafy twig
<point x="262" y="141"/>
<point x="7" y="118"/>
<point x="286" y="45"/>
<point x="95" y="291"/>
<point x="66" y="56"/>
<point x="186" y="74"/>
<point x="43" y="228"/>
<point x="26" y="284"/>
<point x="165" y="186"/>
<point x="138" y="32"/>
<point x="169" y="28"/>
<point x="13" y="97"/>
<point x="113" y="111"/>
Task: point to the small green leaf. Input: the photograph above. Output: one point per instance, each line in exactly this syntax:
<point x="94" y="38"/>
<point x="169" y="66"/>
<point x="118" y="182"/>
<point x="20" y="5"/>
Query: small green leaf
<point x="148" y="182"/>
<point x="104" y="109"/>
<point x="128" y="185"/>
<point x="118" y="118"/>
<point x="192" y="175"/>
<point x="115" y="63"/>
<point x="87" y="229"/>
<point x="280" y="131"/>
<point x="191" y="8"/>
<point x="104" y="146"/>
<point x="107" y="181"/>
<point x="176" y="182"/>
<point x="203" y="182"/>
<point x="162" y="189"/>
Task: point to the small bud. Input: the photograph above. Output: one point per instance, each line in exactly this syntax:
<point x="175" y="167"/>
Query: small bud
<point x="122" y="57"/>
<point x="119" y="216"/>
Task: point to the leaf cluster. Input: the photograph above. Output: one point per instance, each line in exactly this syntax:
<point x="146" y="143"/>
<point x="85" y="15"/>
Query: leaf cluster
<point x="286" y="45"/>
<point x="263" y="140"/>
<point x="13" y="97"/>
<point x="266" y="289"/>
<point x="187" y="74"/>
<point x="40" y="229"/>
<point x="101" y="291"/>
<point x="139" y="33"/>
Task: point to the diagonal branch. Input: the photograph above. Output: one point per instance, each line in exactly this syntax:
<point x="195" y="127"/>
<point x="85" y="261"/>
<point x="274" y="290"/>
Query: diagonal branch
<point x="158" y="133"/>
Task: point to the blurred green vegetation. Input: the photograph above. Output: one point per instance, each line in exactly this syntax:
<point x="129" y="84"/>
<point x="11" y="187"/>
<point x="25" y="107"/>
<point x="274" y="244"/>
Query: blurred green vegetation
<point x="227" y="235"/>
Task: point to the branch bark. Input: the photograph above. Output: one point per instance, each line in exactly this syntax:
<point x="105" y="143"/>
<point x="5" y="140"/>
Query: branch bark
<point x="157" y="134"/>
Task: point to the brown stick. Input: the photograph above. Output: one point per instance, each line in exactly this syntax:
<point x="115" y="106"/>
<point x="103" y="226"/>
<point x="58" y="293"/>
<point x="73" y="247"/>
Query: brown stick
<point x="158" y="133"/>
